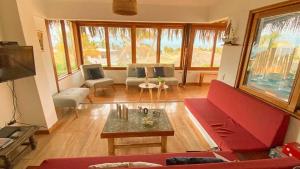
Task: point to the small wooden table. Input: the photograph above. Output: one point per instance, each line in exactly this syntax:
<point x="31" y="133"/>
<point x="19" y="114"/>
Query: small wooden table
<point x="25" y="141"/>
<point x="202" y="74"/>
<point x="116" y="127"/>
<point x="148" y="86"/>
<point x="160" y="88"/>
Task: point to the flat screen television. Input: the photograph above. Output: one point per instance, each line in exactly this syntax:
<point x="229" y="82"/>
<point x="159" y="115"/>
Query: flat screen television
<point x="16" y="62"/>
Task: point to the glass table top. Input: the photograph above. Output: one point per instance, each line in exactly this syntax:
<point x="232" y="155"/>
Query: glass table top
<point x="135" y="123"/>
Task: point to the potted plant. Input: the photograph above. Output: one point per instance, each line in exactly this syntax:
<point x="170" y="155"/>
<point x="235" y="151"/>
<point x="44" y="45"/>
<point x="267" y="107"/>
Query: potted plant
<point x="161" y="82"/>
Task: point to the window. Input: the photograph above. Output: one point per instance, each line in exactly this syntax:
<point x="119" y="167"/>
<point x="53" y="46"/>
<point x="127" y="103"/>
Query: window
<point x="62" y="40"/>
<point x="71" y="45"/>
<point x="115" y="45"/>
<point x="170" y="46"/>
<point x="146" y="45"/>
<point x="120" y="46"/>
<point x="203" y="48"/>
<point x="58" y="48"/>
<point x="93" y="45"/>
<point x="272" y="56"/>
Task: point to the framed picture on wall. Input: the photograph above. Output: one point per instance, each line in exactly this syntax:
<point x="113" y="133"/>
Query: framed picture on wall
<point x="271" y="55"/>
<point x="40" y="36"/>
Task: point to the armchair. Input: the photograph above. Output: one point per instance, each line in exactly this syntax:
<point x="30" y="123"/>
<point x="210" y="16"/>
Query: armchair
<point x="96" y="83"/>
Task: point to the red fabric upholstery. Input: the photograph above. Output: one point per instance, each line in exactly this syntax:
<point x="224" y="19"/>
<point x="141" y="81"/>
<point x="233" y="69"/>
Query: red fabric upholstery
<point x="267" y="123"/>
<point x="227" y="134"/>
<point x="237" y="121"/>
<point x="83" y="163"/>
<point x="284" y="163"/>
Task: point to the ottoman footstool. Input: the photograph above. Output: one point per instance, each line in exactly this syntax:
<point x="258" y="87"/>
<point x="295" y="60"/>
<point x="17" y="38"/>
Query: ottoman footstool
<point x="71" y="98"/>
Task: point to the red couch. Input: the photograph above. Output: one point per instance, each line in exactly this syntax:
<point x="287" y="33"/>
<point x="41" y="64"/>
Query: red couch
<point x="83" y="163"/>
<point x="237" y="121"/>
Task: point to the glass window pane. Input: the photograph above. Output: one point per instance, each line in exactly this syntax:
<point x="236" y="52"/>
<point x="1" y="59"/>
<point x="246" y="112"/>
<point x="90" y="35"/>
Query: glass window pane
<point x="275" y="56"/>
<point x="170" y="46"/>
<point x="202" y="49"/>
<point x="93" y="45"/>
<point x="219" y="49"/>
<point x="120" y="46"/>
<point x="71" y="45"/>
<point x="146" y="45"/>
<point x="58" y="47"/>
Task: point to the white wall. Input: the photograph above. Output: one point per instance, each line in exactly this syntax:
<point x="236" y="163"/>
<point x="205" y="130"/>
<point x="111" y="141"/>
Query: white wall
<point x="43" y="106"/>
<point x="5" y="97"/>
<point x="46" y="54"/>
<point x="229" y="64"/>
<point x="97" y="10"/>
<point x="119" y="76"/>
<point x="238" y="11"/>
<point x="1" y="35"/>
<point x="34" y="101"/>
<point x="75" y="80"/>
<point x="8" y="31"/>
<point x="5" y="104"/>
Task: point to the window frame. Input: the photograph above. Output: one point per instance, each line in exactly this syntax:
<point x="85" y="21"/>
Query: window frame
<point x="67" y="57"/>
<point x="182" y="41"/>
<point x="108" y="47"/>
<point x="186" y="46"/>
<point x="157" y="40"/>
<point x="216" y="28"/>
<point x="133" y="26"/>
<point x="251" y="33"/>
<point x="159" y="26"/>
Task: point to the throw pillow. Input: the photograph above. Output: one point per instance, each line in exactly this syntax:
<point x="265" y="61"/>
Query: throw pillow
<point x="140" y="72"/>
<point x="142" y="164"/>
<point x="192" y="160"/>
<point x="124" y="165"/>
<point x="94" y="73"/>
<point x="169" y="71"/>
<point x="159" y="71"/>
<point x="150" y="72"/>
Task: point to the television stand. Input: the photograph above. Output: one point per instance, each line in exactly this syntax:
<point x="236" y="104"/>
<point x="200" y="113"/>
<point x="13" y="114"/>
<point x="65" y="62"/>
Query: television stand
<point x="21" y="144"/>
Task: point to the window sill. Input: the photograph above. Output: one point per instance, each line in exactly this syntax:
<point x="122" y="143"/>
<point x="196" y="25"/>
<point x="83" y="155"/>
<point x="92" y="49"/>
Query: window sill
<point x="203" y="68"/>
<point x="114" y="68"/>
<point x="67" y="75"/>
<point x="124" y="68"/>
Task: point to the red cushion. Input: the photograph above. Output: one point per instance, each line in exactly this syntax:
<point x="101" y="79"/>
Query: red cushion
<point x="227" y="134"/>
<point x="267" y="123"/>
<point x="83" y="163"/>
<point x="283" y="163"/>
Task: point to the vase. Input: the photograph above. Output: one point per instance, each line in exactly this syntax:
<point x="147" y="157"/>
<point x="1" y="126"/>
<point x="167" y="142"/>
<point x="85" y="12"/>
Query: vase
<point x="146" y="81"/>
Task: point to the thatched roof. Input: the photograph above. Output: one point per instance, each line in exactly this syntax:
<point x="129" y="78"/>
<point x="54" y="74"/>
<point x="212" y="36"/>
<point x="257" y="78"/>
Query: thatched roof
<point x="141" y="32"/>
<point x="282" y="23"/>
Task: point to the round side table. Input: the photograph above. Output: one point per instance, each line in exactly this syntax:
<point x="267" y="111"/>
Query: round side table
<point x="145" y="86"/>
<point x="160" y="88"/>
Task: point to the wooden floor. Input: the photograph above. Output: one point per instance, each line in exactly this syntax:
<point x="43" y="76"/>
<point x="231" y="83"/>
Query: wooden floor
<point x="132" y="95"/>
<point x="81" y="137"/>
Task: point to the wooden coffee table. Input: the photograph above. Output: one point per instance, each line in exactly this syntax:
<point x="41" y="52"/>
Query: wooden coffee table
<point x="13" y="152"/>
<point x="134" y="127"/>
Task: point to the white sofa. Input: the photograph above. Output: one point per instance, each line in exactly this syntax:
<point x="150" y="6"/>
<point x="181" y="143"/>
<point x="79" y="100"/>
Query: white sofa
<point x="169" y="71"/>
